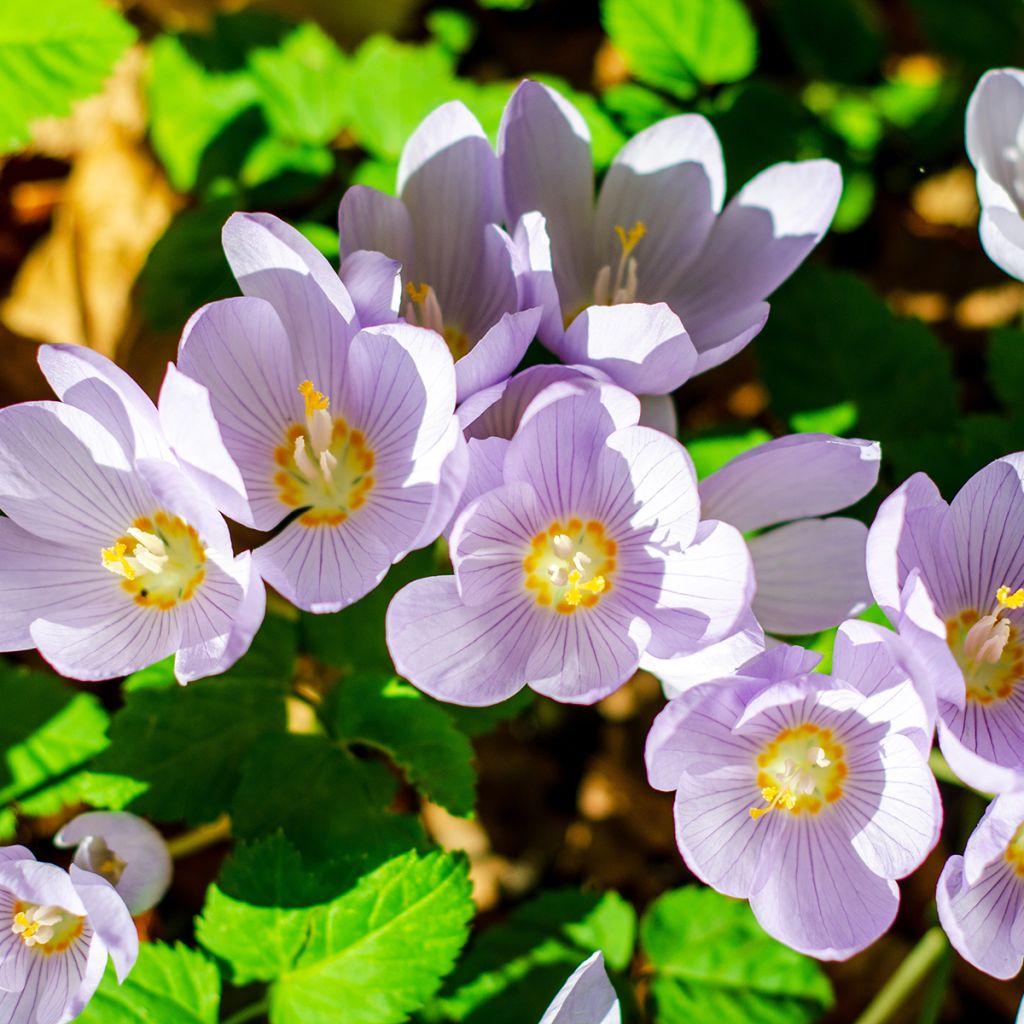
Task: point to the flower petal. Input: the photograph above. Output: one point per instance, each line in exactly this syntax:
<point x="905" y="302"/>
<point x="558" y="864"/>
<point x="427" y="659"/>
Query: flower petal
<point x="109" y="918"/>
<point x="544" y="149"/>
<point x="469" y="656"/>
<point x="372" y="220"/>
<point x="374" y="282"/>
<point x="1002" y="238"/>
<point x="718" y="335"/>
<point x="669" y="177"/>
<point x="810" y="575"/>
<point x="994" y="115"/>
<point x="586" y="997"/>
<point x="496" y="355"/>
<point x="790" y="478"/>
<point x="643" y="348"/>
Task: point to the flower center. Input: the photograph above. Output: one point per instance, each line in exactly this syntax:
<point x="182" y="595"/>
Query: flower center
<point x="801" y="769"/>
<point x="571" y="565"/>
<point x="45" y="928"/>
<point x="609" y="291"/>
<point x="323" y="465"/>
<point x="1015" y="851"/>
<point x="161" y="558"/>
<point x="103" y="861"/>
<point x="988" y="649"/>
<point x="424" y="310"/>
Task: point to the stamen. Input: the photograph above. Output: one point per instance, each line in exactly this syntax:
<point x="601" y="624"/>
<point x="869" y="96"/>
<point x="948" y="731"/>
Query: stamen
<point x="115" y="559"/>
<point x="562" y="544"/>
<point x="423" y="308"/>
<point x="1008" y="600"/>
<point x="630" y="238"/>
<point x="327" y="464"/>
<point x="417" y="292"/>
<point x="302" y="460"/>
<point x="558" y="575"/>
<point x="314" y="399"/>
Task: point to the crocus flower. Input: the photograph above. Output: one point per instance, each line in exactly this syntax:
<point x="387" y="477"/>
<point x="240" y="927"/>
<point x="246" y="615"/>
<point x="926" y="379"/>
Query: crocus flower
<point x="948" y="576"/>
<point x="138" y="562"/>
<point x="457" y="265"/>
<point x="589" y="553"/>
<point x="56" y="933"/>
<point x="806" y="794"/>
<point x="343" y="440"/>
<point x="586" y="998"/>
<point x="995" y="144"/>
<point x="658" y="235"/>
<point x="980" y="895"/>
<point x="126" y="850"/>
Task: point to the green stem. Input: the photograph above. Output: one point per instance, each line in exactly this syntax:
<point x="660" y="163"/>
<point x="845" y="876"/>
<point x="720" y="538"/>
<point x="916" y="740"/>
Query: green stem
<point x="923" y="957"/>
<point x="250" y="1012"/>
<point x="200" y="838"/>
<point x="942" y="771"/>
<point x="936" y="992"/>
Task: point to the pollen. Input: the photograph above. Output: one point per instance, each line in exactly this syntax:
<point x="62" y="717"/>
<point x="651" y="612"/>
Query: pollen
<point x="630" y="238"/>
<point x="115" y="559"/>
<point x="314" y="399"/>
<point x="1008" y="600"/>
<point x="800" y="771"/>
<point x="570" y="565"/>
<point x="417" y="292"/>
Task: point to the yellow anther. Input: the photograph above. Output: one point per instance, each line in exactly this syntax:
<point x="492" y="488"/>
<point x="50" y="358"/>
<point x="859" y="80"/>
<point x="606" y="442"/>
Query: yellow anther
<point x="630" y="238"/>
<point x="595" y="586"/>
<point x="1008" y="600"/>
<point x="114" y="559"/>
<point x="27" y="930"/>
<point x="774" y="797"/>
<point x="417" y="292"/>
<point x="314" y="399"/>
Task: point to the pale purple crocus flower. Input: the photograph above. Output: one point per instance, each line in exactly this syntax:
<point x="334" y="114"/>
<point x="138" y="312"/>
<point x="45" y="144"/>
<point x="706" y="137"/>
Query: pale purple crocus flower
<point x="110" y="557"/>
<point x="126" y="850"/>
<point x="589" y="553"/>
<point x="995" y="145"/>
<point x="656" y="281"/>
<point x="586" y="998"/>
<point x="949" y="577"/>
<point x="980" y="896"/>
<point x="341" y="439"/>
<point x="804" y="793"/>
<point x="457" y="265"/>
<point x="57" y="931"/>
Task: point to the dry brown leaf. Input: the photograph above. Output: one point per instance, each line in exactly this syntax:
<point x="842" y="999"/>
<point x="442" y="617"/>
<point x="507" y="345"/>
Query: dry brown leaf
<point x="75" y="286"/>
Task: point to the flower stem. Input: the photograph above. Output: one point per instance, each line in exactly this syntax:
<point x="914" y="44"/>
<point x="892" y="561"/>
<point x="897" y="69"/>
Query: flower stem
<point x="922" y="958"/>
<point x="250" y="1012"/>
<point x="200" y="838"/>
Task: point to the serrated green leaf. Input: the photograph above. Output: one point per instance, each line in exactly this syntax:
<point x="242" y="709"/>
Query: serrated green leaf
<point x="188" y="743"/>
<point x="168" y="985"/>
<point x="381" y="950"/>
<point x="514" y="969"/>
<point x="418" y="735"/>
<point x="672" y="44"/>
<point x="714" y="964"/>
<point x="48" y="734"/>
<point x="303" y="85"/>
<point x="53" y="52"/>
<point x="329" y="804"/>
<point x="256" y="918"/>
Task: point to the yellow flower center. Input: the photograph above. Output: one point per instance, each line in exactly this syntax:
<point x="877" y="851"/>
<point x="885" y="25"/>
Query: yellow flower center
<point x="424" y="310"/>
<point x="323" y="465"/>
<point x="45" y="929"/>
<point x="161" y="559"/>
<point x="1015" y="851"/>
<point x="609" y="291"/>
<point x="802" y="769"/>
<point x="988" y="648"/>
<point x="570" y="566"/>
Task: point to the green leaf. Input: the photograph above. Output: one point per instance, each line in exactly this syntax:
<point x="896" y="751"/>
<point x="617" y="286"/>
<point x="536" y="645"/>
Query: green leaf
<point x="513" y="970"/>
<point x="353" y="639"/>
<point x="257" y="917"/>
<point x="835" y="419"/>
<point x="1006" y="366"/>
<point x="330" y="804"/>
<point x="303" y="86"/>
<point x="381" y="950"/>
<point x="671" y="44"/>
<point x="714" y="965"/>
<point x="168" y="985"/>
<point x="637" y="107"/>
<point x="53" y="52"/>
<point x="418" y="735"/>
<point x="839" y="41"/>
<point x="454" y="30"/>
<point x="982" y="34"/>
<point x="188" y="743"/>
<point x="48" y="734"/>
<point x="712" y="453"/>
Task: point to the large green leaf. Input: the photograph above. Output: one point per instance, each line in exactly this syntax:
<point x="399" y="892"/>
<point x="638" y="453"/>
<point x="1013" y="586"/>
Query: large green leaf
<point x="257" y="916"/>
<point x="330" y="804"/>
<point x="513" y="970"/>
<point x="417" y="734"/>
<point x="188" y="743"/>
<point x="53" y="52"/>
<point x="672" y="44"/>
<point x="168" y="985"/>
<point x="713" y="964"/>
<point x="48" y="734"/>
<point x="381" y="950"/>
